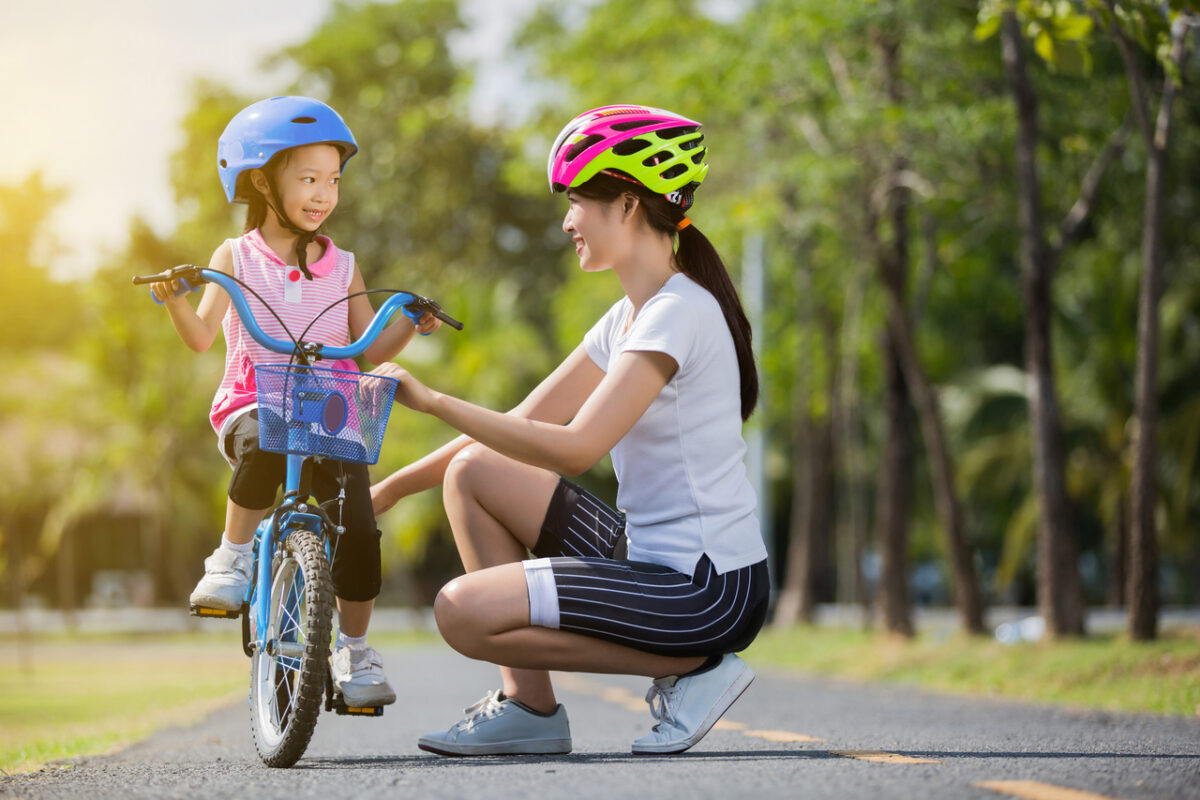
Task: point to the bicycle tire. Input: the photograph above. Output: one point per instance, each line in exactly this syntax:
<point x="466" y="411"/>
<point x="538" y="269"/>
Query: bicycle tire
<point x="287" y="679"/>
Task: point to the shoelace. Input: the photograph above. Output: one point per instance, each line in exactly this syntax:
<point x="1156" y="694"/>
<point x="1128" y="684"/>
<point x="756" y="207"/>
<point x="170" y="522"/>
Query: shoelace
<point x="486" y="707"/>
<point x="662" y="699"/>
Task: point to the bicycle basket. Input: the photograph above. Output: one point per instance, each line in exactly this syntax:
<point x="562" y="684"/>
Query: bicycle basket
<point x="323" y="412"/>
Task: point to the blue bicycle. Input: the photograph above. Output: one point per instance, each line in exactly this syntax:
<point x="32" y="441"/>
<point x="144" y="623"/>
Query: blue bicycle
<point x="310" y="413"/>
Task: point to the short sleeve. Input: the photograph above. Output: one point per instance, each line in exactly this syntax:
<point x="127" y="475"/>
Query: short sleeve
<point x="599" y="340"/>
<point x="666" y="324"/>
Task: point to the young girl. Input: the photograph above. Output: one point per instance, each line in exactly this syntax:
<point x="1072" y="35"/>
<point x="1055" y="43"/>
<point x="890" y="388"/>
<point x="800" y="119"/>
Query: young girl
<point x="284" y="157"/>
<point x="675" y="583"/>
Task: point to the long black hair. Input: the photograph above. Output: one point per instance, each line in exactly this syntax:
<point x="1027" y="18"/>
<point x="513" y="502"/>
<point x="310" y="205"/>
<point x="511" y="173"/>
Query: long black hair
<point x="699" y="260"/>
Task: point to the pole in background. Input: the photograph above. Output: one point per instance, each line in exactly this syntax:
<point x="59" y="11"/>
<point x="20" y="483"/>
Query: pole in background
<point x="753" y="301"/>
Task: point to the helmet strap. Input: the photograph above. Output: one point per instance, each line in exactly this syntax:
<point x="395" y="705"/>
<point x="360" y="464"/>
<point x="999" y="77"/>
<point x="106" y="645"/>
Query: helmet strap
<point x="305" y="237"/>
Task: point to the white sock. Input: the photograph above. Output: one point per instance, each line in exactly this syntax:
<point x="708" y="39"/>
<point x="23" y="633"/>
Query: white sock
<point x="245" y="549"/>
<point x="355" y="642"/>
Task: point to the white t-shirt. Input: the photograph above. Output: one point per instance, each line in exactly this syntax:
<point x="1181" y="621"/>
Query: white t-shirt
<point x="682" y="482"/>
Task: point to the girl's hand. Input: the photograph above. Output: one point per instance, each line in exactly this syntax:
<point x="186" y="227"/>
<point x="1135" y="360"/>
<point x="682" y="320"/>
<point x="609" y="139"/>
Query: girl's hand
<point x="428" y="324"/>
<point x="411" y="392"/>
<point x="164" y="291"/>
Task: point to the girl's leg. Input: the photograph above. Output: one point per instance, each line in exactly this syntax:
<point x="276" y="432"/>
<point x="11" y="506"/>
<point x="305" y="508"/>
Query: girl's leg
<point x="354" y="616"/>
<point x="240" y="522"/>
<point x="496" y="506"/>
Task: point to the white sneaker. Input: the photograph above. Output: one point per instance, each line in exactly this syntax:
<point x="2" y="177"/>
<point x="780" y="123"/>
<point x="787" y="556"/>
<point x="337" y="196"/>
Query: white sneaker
<point x="358" y="674"/>
<point x="498" y="725"/>
<point x="687" y="708"/>
<point x="226" y="577"/>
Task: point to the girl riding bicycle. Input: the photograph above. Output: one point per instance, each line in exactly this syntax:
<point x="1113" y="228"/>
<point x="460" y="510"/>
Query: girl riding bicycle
<point x="284" y="157"/>
<point x="675" y="583"/>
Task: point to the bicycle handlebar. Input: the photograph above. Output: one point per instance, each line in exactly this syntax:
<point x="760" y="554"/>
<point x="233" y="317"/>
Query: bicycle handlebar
<point x="193" y="276"/>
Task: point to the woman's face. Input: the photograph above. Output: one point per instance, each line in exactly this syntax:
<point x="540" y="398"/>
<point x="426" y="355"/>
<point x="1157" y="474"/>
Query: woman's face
<point x="308" y="184"/>
<point x="595" y="228"/>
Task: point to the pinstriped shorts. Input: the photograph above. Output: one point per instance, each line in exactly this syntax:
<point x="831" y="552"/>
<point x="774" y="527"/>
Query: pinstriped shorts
<point x="649" y="607"/>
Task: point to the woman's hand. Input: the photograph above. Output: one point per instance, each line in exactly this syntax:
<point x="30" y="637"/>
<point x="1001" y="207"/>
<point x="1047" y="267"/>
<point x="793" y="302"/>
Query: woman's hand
<point x="411" y="392"/>
<point x="388" y="492"/>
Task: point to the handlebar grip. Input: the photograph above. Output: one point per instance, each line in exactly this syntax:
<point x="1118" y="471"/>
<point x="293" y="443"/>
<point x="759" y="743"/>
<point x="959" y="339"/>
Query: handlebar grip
<point x="449" y="320"/>
<point x="184" y="288"/>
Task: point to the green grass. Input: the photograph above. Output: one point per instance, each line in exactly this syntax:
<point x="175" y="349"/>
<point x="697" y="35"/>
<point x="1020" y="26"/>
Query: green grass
<point x="1103" y="672"/>
<point x="63" y="697"/>
<point x="66" y="697"/>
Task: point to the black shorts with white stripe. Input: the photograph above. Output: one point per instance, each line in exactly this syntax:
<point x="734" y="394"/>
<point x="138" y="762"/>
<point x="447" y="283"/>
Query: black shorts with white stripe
<point x="649" y="607"/>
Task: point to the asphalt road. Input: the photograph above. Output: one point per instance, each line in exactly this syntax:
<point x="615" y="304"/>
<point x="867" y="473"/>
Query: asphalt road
<point x="786" y="737"/>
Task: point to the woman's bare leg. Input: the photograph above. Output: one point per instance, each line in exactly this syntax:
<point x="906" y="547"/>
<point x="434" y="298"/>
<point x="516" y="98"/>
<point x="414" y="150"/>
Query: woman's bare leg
<point x="496" y="507"/>
<point x="485" y="615"/>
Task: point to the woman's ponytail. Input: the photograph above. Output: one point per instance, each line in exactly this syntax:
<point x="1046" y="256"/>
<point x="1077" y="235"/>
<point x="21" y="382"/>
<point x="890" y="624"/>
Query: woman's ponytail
<point x="699" y="260"/>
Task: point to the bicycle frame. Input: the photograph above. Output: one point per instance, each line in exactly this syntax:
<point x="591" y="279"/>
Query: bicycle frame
<point x="290" y="515"/>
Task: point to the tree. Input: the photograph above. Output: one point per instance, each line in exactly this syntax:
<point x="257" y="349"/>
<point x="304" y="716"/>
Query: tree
<point x="1161" y="33"/>
<point x="1059" y="592"/>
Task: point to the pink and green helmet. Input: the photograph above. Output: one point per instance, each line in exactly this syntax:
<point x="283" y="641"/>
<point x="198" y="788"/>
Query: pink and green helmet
<point x="659" y="149"/>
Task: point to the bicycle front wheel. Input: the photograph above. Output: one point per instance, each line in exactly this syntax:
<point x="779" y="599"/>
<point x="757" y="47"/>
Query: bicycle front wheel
<point x="287" y="677"/>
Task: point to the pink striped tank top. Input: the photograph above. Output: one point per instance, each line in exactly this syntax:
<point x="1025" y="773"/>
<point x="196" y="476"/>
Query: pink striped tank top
<point x="296" y="300"/>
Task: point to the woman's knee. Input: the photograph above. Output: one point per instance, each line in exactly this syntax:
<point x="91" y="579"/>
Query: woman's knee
<point x="466" y="468"/>
<point x="457" y="612"/>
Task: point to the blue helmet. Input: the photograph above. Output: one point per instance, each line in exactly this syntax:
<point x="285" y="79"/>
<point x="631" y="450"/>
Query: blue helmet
<point x="259" y="131"/>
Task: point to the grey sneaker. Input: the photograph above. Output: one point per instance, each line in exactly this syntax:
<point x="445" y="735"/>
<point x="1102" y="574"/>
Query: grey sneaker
<point x="358" y="674"/>
<point x="497" y="725"/>
<point x="226" y="576"/>
<point x="686" y="708"/>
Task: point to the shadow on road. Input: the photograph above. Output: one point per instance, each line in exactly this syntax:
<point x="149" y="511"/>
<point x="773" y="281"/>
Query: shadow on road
<point x="431" y="760"/>
<point x="435" y="761"/>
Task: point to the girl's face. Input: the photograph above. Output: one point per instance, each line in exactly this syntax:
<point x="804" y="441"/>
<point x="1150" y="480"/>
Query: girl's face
<point x="308" y="184"/>
<point x="595" y="228"/>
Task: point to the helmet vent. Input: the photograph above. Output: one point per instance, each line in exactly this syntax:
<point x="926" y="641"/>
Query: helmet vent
<point x="630" y="124"/>
<point x="698" y="158"/>
<point x="656" y="159"/>
<point x="674" y="172"/>
<point x="675" y="133"/>
<point x="581" y="145"/>
<point x="304" y="120"/>
<point x="691" y="143"/>
<point x="630" y="146"/>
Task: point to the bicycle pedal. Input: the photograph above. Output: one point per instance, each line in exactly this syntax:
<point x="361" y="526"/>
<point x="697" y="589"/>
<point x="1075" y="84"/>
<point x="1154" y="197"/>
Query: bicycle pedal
<point x="214" y="613"/>
<point x="356" y="711"/>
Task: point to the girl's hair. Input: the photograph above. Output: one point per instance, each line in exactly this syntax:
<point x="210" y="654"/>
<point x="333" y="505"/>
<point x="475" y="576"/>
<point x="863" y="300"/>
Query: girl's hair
<point x="257" y="208"/>
<point x="699" y="260"/>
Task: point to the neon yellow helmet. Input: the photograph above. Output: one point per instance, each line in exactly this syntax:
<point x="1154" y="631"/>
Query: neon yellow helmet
<point x="659" y="149"/>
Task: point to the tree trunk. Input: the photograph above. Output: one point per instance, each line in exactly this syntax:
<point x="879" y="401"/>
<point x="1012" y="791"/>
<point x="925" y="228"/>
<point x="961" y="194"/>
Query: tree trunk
<point x="809" y="526"/>
<point x="1142" y="591"/>
<point x="1059" y="593"/>
<point x="895" y="489"/>
<point x="967" y="597"/>
<point x="806" y="576"/>
<point x="1120" y="558"/>
<point x="893" y="265"/>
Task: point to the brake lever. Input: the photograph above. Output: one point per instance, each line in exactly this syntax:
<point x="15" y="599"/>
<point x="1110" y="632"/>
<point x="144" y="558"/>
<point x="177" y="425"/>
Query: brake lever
<point x="422" y="304"/>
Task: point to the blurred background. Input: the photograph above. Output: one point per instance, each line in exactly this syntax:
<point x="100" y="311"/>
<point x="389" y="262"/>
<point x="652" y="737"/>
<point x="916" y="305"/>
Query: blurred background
<point x="964" y="231"/>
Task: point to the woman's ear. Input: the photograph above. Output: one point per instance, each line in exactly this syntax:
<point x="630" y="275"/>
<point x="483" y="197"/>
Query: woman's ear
<point x="629" y="204"/>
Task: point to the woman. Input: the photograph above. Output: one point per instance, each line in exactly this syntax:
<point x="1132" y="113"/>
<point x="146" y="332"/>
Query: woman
<point x="675" y="584"/>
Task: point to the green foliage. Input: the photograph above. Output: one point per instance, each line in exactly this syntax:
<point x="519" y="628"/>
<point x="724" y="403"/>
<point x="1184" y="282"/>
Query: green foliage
<point x="803" y="129"/>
